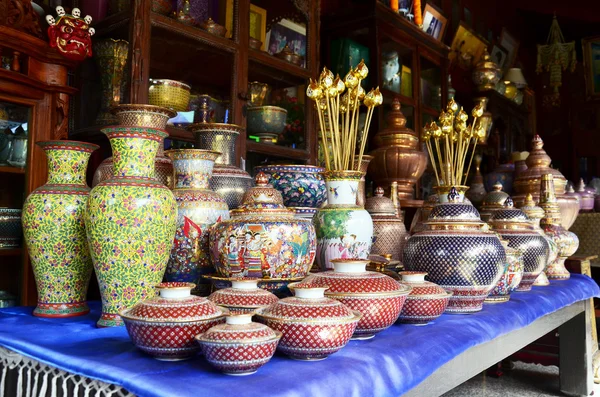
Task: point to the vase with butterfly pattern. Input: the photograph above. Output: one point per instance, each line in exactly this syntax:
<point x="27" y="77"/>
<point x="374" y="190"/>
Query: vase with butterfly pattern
<point x="344" y="229"/>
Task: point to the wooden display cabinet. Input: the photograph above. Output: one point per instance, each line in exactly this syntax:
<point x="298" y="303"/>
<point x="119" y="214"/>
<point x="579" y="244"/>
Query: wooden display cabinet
<point x="34" y="91"/>
<point x="423" y="65"/>
<point x="162" y="47"/>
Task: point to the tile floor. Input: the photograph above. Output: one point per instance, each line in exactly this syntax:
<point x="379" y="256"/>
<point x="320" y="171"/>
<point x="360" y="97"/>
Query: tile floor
<point x="525" y="380"/>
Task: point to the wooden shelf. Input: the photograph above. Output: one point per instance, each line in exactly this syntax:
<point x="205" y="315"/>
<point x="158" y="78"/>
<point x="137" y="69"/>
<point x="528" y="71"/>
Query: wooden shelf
<point x="276" y="150"/>
<point x="430" y="110"/>
<point x="111" y="23"/>
<point x="180" y="134"/>
<point x="7" y="169"/>
<point x="191" y="33"/>
<point x="404" y="100"/>
<point x="266" y="59"/>
<point x="10" y="251"/>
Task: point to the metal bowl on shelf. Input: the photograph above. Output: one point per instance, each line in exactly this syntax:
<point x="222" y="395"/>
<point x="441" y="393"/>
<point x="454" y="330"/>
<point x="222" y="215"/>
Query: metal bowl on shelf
<point x="266" y="122"/>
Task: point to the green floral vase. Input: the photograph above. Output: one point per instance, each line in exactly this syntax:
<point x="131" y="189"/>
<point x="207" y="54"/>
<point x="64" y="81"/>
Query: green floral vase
<point x="55" y="233"/>
<point x="130" y="223"/>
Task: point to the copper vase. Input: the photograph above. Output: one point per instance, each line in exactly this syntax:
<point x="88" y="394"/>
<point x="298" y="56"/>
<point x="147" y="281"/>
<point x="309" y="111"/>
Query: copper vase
<point x="397" y="156"/>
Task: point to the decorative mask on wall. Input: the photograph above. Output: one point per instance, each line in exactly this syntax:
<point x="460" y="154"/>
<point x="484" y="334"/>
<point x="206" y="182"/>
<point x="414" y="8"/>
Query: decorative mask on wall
<point x="71" y="34"/>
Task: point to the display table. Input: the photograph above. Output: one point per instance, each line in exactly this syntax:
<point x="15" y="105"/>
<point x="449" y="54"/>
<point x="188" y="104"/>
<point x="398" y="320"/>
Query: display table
<point x="416" y="360"/>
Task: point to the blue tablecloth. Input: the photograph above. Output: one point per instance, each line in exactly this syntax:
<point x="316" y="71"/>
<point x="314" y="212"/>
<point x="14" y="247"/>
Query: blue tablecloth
<point x="393" y="362"/>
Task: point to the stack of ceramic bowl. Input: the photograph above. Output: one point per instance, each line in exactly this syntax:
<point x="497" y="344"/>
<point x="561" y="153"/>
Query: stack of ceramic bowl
<point x="263" y="240"/>
<point x="377" y="296"/>
<point x="312" y="325"/>
<point x="240" y="346"/>
<point x="301" y="186"/>
<point x="228" y="180"/>
<point x="426" y="301"/>
<point x="265" y="122"/>
<point x="10" y="228"/>
<point x="133" y="115"/>
<point x="165" y="326"/>
<point x="243" y="296"/>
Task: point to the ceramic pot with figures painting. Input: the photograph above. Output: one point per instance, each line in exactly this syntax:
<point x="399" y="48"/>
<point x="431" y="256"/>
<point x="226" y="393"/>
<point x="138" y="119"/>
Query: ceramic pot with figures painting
<point x="344" y="230"/>
<point x="198" y="209"/>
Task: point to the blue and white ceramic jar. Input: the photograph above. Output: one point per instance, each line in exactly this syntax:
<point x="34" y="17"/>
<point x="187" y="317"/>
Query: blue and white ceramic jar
<point x="458" y="252"/>
<point x="300" y="185"/>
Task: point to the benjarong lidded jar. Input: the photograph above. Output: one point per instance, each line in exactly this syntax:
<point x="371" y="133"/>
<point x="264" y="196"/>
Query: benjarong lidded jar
<point x="513" y="225"/>
<point x="458" y="252"/>
<point x="130" y="223"/>
<point x="54" y="231"/>
<point x="198" y="208"/>
<point x="263" y="239"/>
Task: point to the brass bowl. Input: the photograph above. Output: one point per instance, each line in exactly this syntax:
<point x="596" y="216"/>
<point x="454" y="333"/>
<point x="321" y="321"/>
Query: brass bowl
<point x="169" y="94"/>
<point x="255" y="44"/>
<point x="134" y="115"/>
<point x="213" y="28"/>
<point x="288" y="55"/>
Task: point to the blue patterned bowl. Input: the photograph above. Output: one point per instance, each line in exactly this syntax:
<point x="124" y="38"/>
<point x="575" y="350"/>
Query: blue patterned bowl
<point x="300" y="185"/>
<point x="266" y="119"/>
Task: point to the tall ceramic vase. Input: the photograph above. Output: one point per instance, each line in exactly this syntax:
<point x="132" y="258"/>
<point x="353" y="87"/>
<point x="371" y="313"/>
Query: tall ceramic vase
<point x="130" y="223"/>
<point x="344" y="229"/>
<point x="198" y="209"/>
<point x="111" y="58"/>
<point x="55" y="233"/>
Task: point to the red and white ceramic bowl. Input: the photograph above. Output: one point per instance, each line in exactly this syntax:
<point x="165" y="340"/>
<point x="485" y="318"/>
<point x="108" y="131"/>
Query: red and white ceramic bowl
<point x="312" y="325"/>
<point x="426" y="302"/>
<point x="377" y="296"/>
<point x="244" y="296"/>
<point x="165" y="326"/>
<point x="239" y="347"/>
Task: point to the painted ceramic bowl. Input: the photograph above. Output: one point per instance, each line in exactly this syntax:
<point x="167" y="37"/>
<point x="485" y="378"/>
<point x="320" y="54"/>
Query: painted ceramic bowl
<point x="511" y="277"/>
<point x="170" y="94"/>
<point x="312" y="325"/>
<point x="137" y="115"/>
<point x="266" y="119"/>
<point x="458" y="253"/>
<point x="513" y="225"/>
<point x="239" y="347"/>
<point x="300" y="185"/>
<point x="377" y="296"/>
<point x="263" y="239"/>
<point x="277" y="286"/>
<point x="165" y="326"/>
<point x="426" y="302"/>
<point x="243" y="296"/>
<point x="10" y="227"/>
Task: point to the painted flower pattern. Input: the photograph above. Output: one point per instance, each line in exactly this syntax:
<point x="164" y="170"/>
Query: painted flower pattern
<point x="300" y="186"/>
<point x="54" y="231"/>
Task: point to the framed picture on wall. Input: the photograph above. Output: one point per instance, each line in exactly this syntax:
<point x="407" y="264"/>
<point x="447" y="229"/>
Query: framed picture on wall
<point x="499" y="55"/>
<point x="434" y="23"/>
<point x="258" y="24"/>
<point x="591" y="64"/>
<point x="511" y="45"/>
<point x="467" y="47"/>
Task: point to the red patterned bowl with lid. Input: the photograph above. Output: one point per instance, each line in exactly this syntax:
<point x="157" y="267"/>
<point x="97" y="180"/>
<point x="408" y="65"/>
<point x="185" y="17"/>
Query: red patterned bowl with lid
<point x="377" y="296"/>
<point x="244" y="296"/>
<point x="312" y="325"/>
<point x="165" y="326"/>
<point x="426" y="302"/>
<point x="240" y="346"/>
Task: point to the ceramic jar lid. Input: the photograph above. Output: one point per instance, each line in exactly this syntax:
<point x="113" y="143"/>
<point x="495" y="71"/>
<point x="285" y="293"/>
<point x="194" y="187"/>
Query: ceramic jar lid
<point x="309" y="304"/>
<point x="582" y="191"/>
<point x="175" y="303"/>
<point x="531" y="210"/>
<point x="538" y="164"/>
<point x="239" y="328"/>
<point x="243" y="293"/>
<point x="262" y="199"/>
<point x="379" y="204"/>
<point x="495" y="198"/>
<point x="486" y="63"/>
<point x="350" y="278"/>
<point x="454" y="212"/>
<point x="510" y="218"/>
<point x="420" y="287"/>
